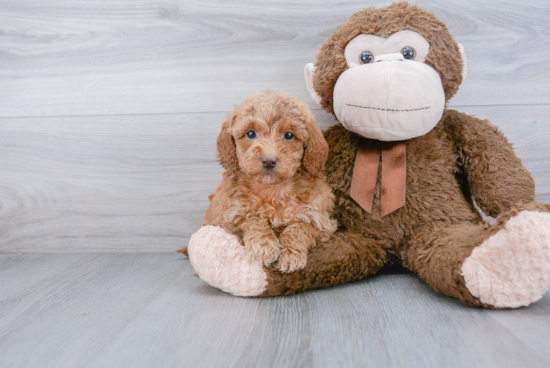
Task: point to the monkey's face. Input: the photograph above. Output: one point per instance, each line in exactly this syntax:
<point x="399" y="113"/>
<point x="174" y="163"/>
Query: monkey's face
<point x="391" y="85"/>
<point x="388" y="93"/>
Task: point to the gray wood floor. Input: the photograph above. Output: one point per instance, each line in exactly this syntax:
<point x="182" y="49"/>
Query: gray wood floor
<point x="109" y="110"/>
<point x="148" y="310"/>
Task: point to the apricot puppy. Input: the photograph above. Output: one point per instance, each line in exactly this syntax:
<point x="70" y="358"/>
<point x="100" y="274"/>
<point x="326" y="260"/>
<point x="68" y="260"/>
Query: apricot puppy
<point x="273" y="194"/>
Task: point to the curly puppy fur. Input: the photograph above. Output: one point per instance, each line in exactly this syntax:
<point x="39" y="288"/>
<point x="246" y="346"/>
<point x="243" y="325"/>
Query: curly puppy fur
<point x="279" y="210"/>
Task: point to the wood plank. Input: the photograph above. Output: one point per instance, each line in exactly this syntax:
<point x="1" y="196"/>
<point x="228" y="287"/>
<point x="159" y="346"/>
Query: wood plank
<point x="143" y="310"/>
<point x="137" y="57"/>
<point x="121" y="183"/>
<point x="23" y="278"/>
<point x="140" y="183"/>
<point x="209" y="328"/>
<point x="529" y="325"/>
<point x="398" y="321"/>
<point x="71" y="318"/>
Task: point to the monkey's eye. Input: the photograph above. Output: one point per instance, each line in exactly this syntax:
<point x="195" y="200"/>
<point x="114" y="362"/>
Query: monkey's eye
<point x="251" y="134"/>
<point x="289" y="136"/>
<point x="366" y="57"/>
<point x="408" y="52"/>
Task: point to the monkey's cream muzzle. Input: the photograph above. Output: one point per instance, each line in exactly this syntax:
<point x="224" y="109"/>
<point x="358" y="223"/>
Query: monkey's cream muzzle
<point x="391" y="99"/>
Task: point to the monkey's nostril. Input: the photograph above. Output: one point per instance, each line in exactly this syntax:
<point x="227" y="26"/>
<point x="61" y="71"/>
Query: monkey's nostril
<point x="269" y="162"/>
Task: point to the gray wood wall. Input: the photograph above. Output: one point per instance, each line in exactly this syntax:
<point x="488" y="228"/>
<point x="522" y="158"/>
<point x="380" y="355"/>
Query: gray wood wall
<point x="109" y="109"/>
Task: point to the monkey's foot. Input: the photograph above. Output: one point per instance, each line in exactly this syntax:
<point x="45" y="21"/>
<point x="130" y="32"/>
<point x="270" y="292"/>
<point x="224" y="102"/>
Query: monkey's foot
<point x="511" y="268"/>
<point x="220" y="260"/>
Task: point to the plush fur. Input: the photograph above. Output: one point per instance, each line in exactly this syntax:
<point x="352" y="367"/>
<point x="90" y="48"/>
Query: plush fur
<point x="439" y="226"/>
<point x="444" y="55"/>
<point x="221" y="262"/>
<point x="277" y="212"/>
<point x="435" y="234"/>
<point x="511" y="268"/>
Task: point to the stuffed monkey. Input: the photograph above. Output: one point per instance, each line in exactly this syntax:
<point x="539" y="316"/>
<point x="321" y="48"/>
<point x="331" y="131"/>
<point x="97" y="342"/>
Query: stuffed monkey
<point x="406" y="172"/>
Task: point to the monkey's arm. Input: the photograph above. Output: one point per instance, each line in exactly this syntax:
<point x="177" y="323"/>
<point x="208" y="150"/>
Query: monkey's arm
<point x="496" y="176"/>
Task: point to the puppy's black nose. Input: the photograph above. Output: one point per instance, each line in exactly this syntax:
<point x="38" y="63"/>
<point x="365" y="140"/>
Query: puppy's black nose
<point x="269" y="162"/>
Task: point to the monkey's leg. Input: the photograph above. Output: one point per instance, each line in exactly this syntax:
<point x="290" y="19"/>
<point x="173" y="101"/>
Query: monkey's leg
<point x="505" y="265"/>
<point x="220" y="260"/>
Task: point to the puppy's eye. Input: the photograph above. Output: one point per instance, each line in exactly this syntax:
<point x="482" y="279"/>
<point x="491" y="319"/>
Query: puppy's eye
<point x="289" y="136"/>
<point x="251" y="134"/>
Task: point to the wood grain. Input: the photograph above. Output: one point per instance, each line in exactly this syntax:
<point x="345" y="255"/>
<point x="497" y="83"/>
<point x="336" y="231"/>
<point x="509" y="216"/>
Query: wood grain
<point x="399" y="321"/>
<point x="77" y="311"/>
<point x="142" y="57"/>
<point x="109" y="112"/>
<point x="120" y="183"/>
<point x="141" y="183"/>
<point x="144" y="310"/>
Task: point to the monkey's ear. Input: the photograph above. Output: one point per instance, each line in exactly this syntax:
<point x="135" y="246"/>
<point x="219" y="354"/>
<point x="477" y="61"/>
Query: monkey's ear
<point x="316" y="153"/>
<point x="308" y="73"/>
<point x="465" y="65"/>
<point x="227" y="154"/>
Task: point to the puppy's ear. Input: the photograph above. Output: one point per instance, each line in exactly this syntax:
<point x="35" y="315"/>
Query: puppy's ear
<point x="227" y="154"/>
<point x="316" y="153"/>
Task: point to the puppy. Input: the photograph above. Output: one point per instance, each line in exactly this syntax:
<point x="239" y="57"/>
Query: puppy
<point x="273" y="194"/>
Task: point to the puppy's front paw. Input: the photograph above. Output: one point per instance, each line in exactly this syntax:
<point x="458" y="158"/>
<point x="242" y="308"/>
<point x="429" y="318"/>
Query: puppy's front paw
<point x="262" y="249"/>
<point x="292" y="259"/>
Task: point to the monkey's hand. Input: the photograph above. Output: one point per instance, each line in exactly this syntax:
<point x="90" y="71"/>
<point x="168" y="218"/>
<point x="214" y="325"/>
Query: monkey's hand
<point x="497" y="179"/>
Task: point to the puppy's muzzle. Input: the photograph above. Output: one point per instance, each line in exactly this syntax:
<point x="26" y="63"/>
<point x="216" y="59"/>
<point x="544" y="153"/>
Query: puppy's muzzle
<point x="269" y="162"/>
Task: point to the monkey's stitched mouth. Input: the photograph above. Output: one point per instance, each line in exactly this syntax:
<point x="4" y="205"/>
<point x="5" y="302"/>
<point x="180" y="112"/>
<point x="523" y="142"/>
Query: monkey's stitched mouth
<point x="393" y="110"/>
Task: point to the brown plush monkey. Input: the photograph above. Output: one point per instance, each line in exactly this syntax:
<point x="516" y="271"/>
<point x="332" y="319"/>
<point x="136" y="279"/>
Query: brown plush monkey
<point x="406" y="171"/>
